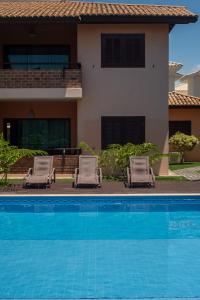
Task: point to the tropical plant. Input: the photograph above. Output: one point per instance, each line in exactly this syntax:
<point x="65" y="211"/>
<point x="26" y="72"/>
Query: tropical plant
<point x="115" y="158"/>
<point x="182" y="143"/>
<point x="85" y="147"/>
<point x="9" y="155"/>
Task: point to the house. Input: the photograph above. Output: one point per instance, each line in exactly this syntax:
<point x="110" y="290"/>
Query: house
<point x="83" y="71"/>
<point x="184" y="112"/>
<point x="184" y="108"/>
<point x="190" y="84"/>
<point x="174" y="74"/>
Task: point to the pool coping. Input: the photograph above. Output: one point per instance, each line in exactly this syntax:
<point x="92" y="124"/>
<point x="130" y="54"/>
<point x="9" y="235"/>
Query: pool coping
<point x="100" y="195"/>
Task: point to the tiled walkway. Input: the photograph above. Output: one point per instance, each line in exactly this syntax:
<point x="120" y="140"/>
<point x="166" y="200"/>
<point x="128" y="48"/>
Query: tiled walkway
<point x="182" y="187"/>
<point x="192" y="174"/>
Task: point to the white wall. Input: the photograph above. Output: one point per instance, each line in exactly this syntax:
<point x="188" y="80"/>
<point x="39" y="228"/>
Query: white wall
<point x="182" y="88"/>
<point x="172" y="79"/>
<point x="194" y="86"/>
<point x="124" y="91"/>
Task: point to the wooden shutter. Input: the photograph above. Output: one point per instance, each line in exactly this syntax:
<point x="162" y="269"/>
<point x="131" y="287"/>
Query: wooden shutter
<point x="122" y="130"/>
<point x="123" y="50"/>
<point x="182" y="126"/>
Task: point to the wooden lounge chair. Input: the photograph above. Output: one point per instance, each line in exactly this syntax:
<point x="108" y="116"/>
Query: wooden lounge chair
<point x="42" y="172"/>
<point x="88" y="172"/>
<point x="140" y="172"/>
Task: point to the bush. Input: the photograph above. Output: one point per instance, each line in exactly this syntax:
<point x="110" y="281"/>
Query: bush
<point x="9" y="155"/>
<point x="115" y="158"/>
<point x="182" y="143"/>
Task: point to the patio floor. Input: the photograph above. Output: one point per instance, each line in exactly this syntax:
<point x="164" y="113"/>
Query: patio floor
<point x="185" y="187"/>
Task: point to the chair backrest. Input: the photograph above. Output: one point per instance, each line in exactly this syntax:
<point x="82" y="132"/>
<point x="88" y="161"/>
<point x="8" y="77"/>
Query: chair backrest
<point x="139" y="164"/>
<point x="88" y="165"/>
<point x="43" y="165"/>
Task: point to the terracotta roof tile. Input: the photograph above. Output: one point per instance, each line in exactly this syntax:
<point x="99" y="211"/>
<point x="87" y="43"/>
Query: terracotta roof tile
<point x="178" y="99"/>
<point x="75" y="9"/>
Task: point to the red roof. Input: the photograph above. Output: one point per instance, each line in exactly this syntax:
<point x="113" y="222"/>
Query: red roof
<point x="180" y="100"/>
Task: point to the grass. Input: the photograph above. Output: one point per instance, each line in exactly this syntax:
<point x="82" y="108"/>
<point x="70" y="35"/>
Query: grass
<point x="170" y="178"/>
<point x="70" y="180"/>
<point x="59" y="180"/>
<point x="185" y="165"/>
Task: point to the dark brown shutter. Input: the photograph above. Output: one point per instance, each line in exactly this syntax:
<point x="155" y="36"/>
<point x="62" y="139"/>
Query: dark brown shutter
<point x="181" y="126"/>
<point x="122" y="130"/>
<point x="123" y="50"/>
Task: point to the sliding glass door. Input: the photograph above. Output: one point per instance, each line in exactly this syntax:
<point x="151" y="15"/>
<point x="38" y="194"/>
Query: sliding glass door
<point x="38" y="133"/>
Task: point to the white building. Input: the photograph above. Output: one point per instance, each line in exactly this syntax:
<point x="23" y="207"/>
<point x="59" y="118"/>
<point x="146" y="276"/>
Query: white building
<point x="190" y="84"/>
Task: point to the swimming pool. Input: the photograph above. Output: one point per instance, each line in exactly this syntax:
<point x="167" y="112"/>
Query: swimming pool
<point x="100" y="247"/>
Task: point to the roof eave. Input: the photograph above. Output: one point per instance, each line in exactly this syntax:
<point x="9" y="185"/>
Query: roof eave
<point x="101" y="19"/>
<point x="172" y="20"/>
<point x="183" y="106"/>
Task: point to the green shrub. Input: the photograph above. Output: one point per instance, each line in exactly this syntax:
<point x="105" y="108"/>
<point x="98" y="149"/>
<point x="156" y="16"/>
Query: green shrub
<point x="115" y="158"/>
<point x="9" y="155"/>
<point x="182" y="143"/>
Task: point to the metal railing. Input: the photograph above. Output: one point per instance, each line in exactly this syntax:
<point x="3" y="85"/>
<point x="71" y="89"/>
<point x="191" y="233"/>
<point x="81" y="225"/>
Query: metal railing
<point x="64" y="151"/>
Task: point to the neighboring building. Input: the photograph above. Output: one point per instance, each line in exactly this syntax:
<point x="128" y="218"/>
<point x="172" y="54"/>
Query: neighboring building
<point x="173" y="74"/>
<point x="182" y="88"/>
<point x="75" y="71"/>
<point x="184" y="113"/>
<point x="190" y="84"/>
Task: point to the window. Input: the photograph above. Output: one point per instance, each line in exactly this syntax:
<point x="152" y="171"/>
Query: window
<point x="123" y="50"/>
<point x="36" y="57"/>
<point x="38" y="133"/>
<point x="122" y="130"/>
<point x="182" y="126"/>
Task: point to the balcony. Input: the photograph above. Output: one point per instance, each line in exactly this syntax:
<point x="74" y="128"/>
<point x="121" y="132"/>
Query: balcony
<point x="41" y="83"/>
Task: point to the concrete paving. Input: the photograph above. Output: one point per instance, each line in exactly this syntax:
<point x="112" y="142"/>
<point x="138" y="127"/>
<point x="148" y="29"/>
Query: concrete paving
<point x="191" y="174"/>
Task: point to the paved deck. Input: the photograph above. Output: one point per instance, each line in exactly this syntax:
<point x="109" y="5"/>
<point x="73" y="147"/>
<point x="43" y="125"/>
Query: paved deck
<point x="112" y="188"/>
<point x="189" y="173"/>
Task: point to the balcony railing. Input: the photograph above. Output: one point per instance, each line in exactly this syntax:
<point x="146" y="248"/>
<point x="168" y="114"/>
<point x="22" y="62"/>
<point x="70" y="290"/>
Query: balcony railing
<point x="43" y="75"/>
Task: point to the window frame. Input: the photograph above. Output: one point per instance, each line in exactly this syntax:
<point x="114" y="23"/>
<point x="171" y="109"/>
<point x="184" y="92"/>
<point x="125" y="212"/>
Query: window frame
<point x="123" y="65"/>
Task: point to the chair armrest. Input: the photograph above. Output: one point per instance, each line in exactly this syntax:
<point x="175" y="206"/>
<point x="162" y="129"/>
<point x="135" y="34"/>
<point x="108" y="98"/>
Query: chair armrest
<point x="76" y="171"/>
<point x="75" y="176"/>
<point x="100" y="175"/>
<point x="30" y="172"/>
<point x="152" y="174"/>
<point x="53" y="175"/>
<point x="128" y="175"/>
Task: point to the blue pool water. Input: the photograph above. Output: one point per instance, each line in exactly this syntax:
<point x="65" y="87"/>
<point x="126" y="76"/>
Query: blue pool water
<point x="99" y="247"/>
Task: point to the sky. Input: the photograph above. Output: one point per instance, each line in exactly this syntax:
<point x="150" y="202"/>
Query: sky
<point x="184" y="42"/>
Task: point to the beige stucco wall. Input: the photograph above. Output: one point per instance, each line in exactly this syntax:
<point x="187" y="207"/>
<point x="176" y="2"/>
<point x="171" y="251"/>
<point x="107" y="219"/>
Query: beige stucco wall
<point x="172" y="79"/>
<point x="189" y="115"/>
<point x="124" y="91"/>
<point x="194" y="86"/>
<point x="182" y="88"/>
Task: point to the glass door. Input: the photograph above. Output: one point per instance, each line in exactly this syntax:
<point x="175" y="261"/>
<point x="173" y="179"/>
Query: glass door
<point x="38" y="133"/>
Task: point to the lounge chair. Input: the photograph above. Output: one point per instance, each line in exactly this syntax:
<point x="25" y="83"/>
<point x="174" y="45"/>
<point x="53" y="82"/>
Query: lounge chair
<point x="88" y="172"/>
<point x="140" y="172"/>
<point x="42" y="172"/>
